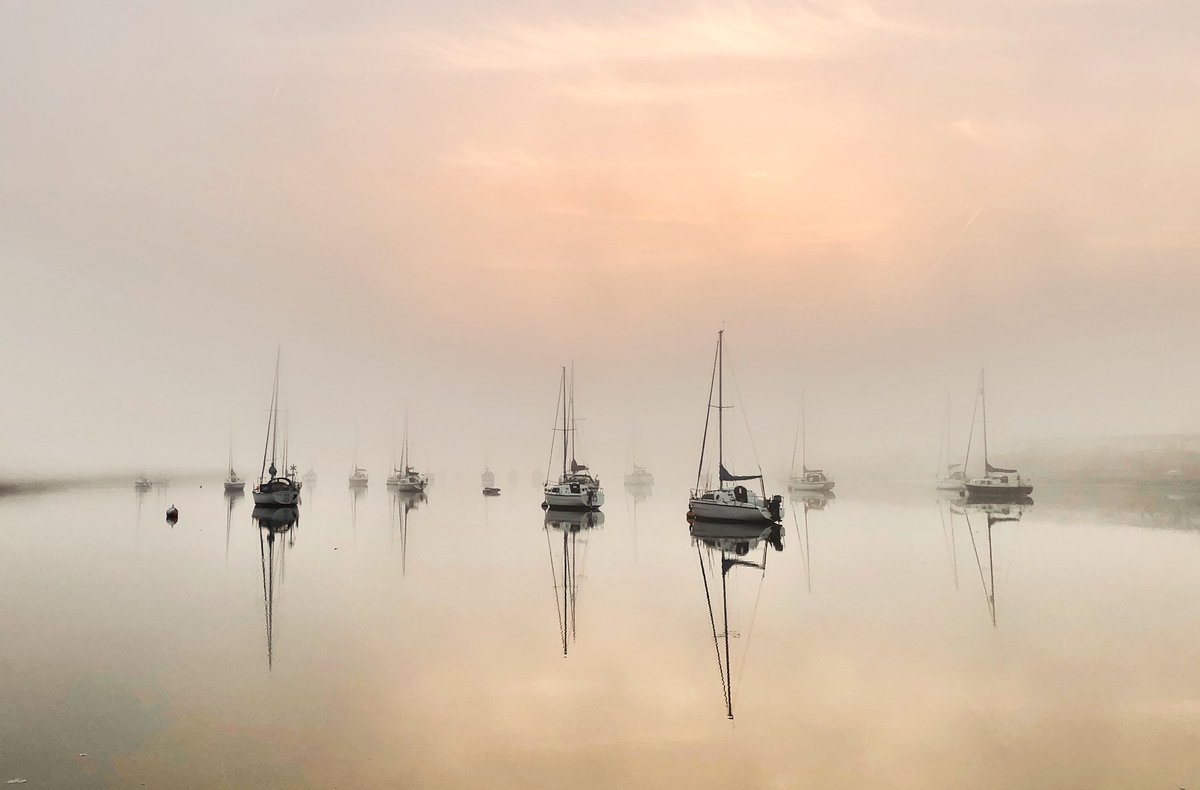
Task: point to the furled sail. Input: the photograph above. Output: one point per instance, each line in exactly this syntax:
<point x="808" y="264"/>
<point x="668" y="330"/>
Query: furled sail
<point x="729" y="477"/>
<point x="991" y="470"/>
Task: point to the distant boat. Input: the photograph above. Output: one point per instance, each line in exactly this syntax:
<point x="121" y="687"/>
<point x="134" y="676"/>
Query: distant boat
<point x="274" y="489"/>
<point x="737" y="503"/>
<point x="807" y="480"/>
<point x="406" y="478"/>
<point x="233" y="483"/>
<point x="310" y="478"/>
<point x="638" y="477"/>
<point x="953" y="478"/>
<point x="576" y="487"/>
<point x="996" y="484"/>
<point x="358" y="477"/>
<point x="488" y="481"/>
<point x="142" y="484"/>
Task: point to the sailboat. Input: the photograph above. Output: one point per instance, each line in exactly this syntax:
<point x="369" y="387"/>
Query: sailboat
<point x="142" y="484"/>
<point x="273" y="489"/>
<point x="573" y="524"/>
<point x="639" y="478"/>
<point x="737" y="503"/>
<point x="730" y="543"/>
<point x="953" y="479"/>
<point x="273" y="522"/>
<point x="996" y="484"/>
<point x="406" y="478"/>
<point x="576" y="487"/>
<point x="488" y="481"/>
<point x="232" y="481"/>
<point x="807" y="480"/>
<point x="358" y="476"/>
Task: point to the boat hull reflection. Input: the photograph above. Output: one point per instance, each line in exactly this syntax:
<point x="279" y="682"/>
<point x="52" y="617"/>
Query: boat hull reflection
<point x="573" y="520"/>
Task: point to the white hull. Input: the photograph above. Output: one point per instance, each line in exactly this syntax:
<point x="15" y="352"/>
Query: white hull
<point x="579" y="501"/>
<point x="729" y="511"/>
<point x="277" y="498"/>
<point x="811" y="488"/>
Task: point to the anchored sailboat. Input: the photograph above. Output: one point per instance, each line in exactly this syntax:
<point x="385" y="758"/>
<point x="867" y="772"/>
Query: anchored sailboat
<point x="807" y="480"/>
<point x="405" y="477"/>
<point x="232" y="481"/>
<point x="639" y="478"/>
<point x="273" y="489"/>
<point x="950" y="476"/>
<point x="996" y="484"/>
<point x="576" y="487"/>
<point x="737" y="503"/>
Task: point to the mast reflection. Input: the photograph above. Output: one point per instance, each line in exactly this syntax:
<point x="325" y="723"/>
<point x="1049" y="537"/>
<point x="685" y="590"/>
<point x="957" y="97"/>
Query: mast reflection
<point x="729" y="543"/>
<point x="403" y="502"/>
<point x="991" y="514"/>
<point x="574" y="526"/>
<point x="276" y="526"/>
<point x="814" y="500"/>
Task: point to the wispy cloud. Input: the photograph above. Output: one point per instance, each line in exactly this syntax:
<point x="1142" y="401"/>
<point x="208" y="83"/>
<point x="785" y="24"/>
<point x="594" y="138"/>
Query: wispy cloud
<point x="712" y="30"/>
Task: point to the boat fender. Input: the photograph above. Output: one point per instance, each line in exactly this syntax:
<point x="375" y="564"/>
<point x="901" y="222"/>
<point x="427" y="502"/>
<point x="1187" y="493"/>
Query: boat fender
<point x="172" y="514"/>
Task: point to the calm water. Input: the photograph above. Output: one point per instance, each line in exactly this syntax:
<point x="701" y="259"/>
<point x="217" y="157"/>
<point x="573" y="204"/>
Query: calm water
<point x="367" y="647"/>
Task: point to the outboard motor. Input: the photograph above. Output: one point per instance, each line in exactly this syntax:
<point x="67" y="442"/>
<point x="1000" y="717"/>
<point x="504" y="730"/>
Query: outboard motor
<point x="776" y="507"/>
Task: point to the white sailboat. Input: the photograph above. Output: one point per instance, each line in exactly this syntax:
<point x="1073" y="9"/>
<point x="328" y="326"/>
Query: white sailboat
<point x="274" y="489"/>
<point x="233" y="483"/>
<point x="576" y="488"/>
<point x="736" y="503"/>
<point x="359" y="478"/>
<point x="405" y="477"/>
<point x="807" y="480"/>
<point x="996" y="484"/>
<point x="488" y="479"/>
<point x="952" y="479"/>
<point x="639" y="477"/>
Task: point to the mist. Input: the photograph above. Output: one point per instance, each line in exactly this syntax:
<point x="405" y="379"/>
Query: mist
<point x="431" y="210"/>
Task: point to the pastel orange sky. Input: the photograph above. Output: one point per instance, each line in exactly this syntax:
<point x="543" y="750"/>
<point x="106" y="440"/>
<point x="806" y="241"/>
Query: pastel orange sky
<point x="863" y="192"/>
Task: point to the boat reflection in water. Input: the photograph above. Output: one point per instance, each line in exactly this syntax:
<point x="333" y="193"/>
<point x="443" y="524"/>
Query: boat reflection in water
<point x="564" y="570"/>
<point x="403" y="502"/>
<point x="231" y="498"/>
<point x="804" y="503"/>
<point x="731" y="546"/>
<point x="276" y="530"/>
<point x="987" y="515"/>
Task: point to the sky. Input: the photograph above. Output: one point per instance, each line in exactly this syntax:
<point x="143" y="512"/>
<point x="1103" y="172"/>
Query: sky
<point x="431" y="207"/>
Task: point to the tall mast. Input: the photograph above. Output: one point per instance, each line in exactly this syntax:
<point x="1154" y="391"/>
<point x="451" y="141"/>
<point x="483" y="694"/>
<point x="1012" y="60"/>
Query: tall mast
<point x="275" y="410"/>
<point x="721" y="408"/>
<point x="563" y="387"/>
<point x="571" y="385"/>
<point x="803" y="436"/>
<point x="270" y="420"/>
<point x="983" y="399"/>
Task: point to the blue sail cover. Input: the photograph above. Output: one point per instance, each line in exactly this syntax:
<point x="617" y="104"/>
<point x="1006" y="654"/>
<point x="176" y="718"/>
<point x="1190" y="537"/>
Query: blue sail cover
<point x="728" y="477"/>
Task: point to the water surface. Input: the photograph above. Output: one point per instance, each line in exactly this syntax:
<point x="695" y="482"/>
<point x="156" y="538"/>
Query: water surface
<point x="464" y="643"/>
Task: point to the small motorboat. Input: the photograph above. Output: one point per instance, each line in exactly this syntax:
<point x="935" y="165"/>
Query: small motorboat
<point x="491" y="491"/>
